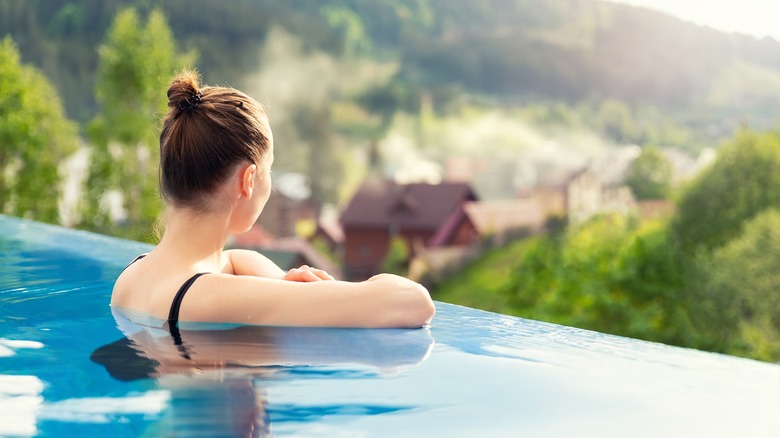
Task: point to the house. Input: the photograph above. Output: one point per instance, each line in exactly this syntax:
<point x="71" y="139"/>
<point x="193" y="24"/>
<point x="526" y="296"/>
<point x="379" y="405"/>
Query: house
<point x="497" y="223"/>
<point x="293" y="252"/>
<point x="329" y="232"/>
<point x="503" y="218"/>
<point x="289" y="203"/>
<point x="274" y="234"/>
<point x="424" y="215"/>
<point x="287" y="253"/>
<point x="588" y="195"/>
<point x="598" y="188"/>
<point x="492" y="178"/>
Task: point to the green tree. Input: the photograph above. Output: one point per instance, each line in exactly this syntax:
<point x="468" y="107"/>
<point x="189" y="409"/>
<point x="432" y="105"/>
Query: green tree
<point x="650" y="175"/>
<point x="742" y="288"/>
<point x="649" y="270"/>
<point x="616" y="120"/>
<point x="743" y="181"/>
<point x="397" y="258"/>
<point x="350" y="26"/>
<point x="610" y="275"/>
<point x="35" y="136"/>
<point x="136" y="61"/>
<point x="383" y="101"/>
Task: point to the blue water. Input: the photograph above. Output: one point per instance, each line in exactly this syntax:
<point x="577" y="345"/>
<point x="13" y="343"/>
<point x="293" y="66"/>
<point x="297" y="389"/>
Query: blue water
<point x="66" y="369"/>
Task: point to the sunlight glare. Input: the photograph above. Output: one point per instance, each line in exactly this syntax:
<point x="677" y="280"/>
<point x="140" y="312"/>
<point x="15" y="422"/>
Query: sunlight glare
<point x="752" y="17"/>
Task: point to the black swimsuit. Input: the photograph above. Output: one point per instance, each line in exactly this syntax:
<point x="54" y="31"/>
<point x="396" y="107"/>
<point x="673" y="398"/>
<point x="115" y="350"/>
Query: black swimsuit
<point x="173" y="314"/>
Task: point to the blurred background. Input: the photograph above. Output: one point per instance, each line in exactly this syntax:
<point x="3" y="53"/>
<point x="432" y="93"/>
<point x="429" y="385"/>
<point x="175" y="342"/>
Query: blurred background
<point x="596" y="164"/>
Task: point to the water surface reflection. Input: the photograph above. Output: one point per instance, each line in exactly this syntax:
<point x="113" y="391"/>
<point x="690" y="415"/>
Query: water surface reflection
<point x="217" y="375"/>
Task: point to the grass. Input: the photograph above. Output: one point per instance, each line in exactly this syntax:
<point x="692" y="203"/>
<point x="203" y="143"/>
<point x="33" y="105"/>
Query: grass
<point x="481" y="285"/>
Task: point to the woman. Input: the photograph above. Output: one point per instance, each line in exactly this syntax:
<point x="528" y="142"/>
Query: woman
<point x="216" y="152"/>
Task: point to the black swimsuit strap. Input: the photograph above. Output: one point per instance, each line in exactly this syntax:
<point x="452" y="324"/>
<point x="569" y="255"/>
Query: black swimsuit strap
<point x="173" y="315"/>
<point x="134" y="260"/>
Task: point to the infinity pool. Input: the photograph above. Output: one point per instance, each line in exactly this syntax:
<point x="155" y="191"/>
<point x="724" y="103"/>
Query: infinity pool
<point x="66" y="369"/>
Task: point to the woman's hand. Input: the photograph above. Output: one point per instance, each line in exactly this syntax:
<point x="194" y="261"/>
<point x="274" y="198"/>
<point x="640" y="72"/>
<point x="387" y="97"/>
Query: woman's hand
<point x="306" y="274"/>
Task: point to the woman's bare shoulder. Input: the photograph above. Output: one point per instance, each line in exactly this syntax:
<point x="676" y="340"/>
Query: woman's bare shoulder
<point x="146" y="286"/>
<point x="121" y="291"/>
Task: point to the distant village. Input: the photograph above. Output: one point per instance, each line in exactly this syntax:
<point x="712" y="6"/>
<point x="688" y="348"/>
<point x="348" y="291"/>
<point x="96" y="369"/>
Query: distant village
<point x="478" y="205"/>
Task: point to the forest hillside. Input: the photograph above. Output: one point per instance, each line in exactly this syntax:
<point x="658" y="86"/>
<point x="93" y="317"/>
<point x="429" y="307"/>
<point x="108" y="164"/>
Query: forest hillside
<point x="493" y="52"/>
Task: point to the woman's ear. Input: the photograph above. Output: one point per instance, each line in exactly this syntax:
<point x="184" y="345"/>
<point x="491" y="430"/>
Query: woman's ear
<point x="248" y="180"/>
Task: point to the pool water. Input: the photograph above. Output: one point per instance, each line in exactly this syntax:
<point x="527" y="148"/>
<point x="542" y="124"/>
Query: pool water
<point x="69" y="367"/>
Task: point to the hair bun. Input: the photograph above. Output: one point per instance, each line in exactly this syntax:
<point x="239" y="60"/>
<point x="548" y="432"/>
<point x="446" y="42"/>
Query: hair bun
<point x="184" y="92"/>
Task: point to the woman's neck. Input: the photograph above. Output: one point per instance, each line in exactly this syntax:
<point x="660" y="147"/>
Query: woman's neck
<point x="194" y="239"/>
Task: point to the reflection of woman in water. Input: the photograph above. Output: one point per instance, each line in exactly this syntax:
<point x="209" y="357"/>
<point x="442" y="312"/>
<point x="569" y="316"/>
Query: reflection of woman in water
<point x="214" y="375"/>
<point x="152" y="352"/>
<point x="216" y="151"/>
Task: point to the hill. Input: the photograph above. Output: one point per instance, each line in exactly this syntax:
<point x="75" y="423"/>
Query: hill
<point x="495" y="52"/>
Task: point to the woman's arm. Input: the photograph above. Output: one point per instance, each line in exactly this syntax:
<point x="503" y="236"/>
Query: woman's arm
<point x="384" y="300"/>
<point x="246" y="262"/>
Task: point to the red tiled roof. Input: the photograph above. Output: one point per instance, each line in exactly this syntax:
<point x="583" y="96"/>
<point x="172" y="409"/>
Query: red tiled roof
<point x="306" y="250"/>
<point x="255" y="236"/>
<point x="444" y="236"/>
<point x="332" y="229"/>
<point x="289" y="245"/>
<point x="419" y="206"/>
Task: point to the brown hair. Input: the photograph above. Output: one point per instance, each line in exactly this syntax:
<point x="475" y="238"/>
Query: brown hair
<point x="207" y="132"/>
